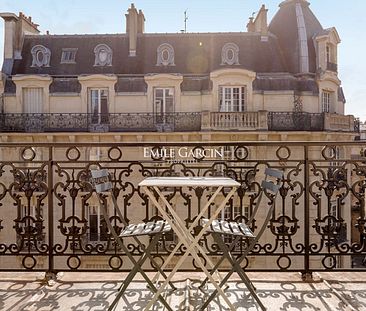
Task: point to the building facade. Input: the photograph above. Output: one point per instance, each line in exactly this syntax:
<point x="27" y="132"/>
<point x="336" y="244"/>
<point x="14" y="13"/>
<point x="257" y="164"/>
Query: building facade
<point x="277" y="81"/>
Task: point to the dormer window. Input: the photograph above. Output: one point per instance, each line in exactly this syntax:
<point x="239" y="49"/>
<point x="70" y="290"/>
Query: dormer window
<point x="230" y="54"/>
<point x="331" y="58"/>
<point x="41" y="56"/>
<point x="68" y="56"/>
<point x="103" y="55"/>
<point x="165" y="55"/>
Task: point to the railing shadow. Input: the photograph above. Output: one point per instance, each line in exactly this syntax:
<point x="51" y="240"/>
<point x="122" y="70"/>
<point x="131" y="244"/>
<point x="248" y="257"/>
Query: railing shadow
<point x="97" y="295"/>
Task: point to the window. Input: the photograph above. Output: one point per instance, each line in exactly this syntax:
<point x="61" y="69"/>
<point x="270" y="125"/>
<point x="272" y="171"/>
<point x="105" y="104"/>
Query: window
<point x="97" y="154"/>
<point x="103" y="55"/>
<point x="230" y="213"/>
<point x="165" y="55"/>
<point x="32" y="100"/>
<point x="29" y="227"/>
<point x="328" y="49"/>
<point x="98" y="230"/>
<point x="98" y="106"/>
<point x="230" y="54"/>
<point x="41" y="56"/>
<point x="164" y="104"/>
<point x="334" y="153"/>
<point x="232" y="99"/>
<point x="326" y="101"/>
<point x="68" y="56"/>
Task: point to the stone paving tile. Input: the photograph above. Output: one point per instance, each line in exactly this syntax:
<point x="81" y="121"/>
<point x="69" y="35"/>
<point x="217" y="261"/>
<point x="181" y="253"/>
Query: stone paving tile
<point x="95" y="292"/>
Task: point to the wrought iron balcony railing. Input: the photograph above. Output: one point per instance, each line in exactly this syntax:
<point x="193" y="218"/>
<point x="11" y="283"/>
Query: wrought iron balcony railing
<point x="176" y="122"/>
<point x="295" y="121"/>
<point x="313" y="226"/>
<point x="112" y="122"/>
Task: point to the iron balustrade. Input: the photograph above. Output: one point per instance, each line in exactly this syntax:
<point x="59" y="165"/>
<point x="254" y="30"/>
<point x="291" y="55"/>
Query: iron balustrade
<point x="46" y="202"/>
<point x="111" y="122"/>
<point x="171" y="122"/>
<point x="295" y="121"/>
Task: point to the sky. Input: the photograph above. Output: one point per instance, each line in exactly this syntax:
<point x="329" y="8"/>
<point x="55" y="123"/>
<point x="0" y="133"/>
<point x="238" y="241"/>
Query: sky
<point x="95" y="16"/>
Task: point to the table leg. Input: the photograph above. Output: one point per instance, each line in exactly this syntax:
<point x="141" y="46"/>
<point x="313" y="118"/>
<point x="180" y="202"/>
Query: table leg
<point x="182" y="224"/>
<point x="195" y="222"/>
<point x="190" y="247"/>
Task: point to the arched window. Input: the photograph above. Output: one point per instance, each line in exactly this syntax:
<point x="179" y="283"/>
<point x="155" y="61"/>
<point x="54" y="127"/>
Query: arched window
<point x="165" y="55"/>
<point x="230" y="54"/>
<point x="41" y="56"/>
<point x="103" y="55"/>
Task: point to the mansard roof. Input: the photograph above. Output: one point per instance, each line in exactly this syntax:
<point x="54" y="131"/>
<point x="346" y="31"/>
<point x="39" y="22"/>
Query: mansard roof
<point x="295" y="24"/>
<point x="194" y="53"/>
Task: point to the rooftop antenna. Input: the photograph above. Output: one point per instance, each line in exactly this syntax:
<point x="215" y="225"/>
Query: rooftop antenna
<point x="185" y="20"/>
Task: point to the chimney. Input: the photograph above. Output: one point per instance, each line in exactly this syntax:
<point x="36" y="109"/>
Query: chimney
<point x="250" y="25"/>
<point x="15" y="29"/>
<point x="260" y="23"/>
<point x="141" y="22"/>
<point x="10" y="26"/>
<point x="135" y="24"/>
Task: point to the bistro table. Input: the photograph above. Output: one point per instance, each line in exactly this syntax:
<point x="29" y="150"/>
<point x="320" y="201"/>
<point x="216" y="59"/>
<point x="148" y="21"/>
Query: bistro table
<point x="151" y="185"/>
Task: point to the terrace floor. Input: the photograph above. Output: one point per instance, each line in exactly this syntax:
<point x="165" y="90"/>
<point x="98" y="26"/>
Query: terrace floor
<point x="95" y="291"/>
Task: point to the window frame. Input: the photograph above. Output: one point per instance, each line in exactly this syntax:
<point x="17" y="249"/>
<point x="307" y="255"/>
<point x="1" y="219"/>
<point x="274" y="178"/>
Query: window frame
<point x="68" y="51"/>
<point x="228" y="104"/>
<point x="161" y="114"/>
<point x="326" y="101"/>
<point x="95" y="210"/>
<point x="102" y="117"/>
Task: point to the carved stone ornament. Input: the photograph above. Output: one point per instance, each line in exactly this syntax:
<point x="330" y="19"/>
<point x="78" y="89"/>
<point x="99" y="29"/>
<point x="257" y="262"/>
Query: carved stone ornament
<point x="103" y="55"/>
<point x="165" y="55"/>
<point x="41" y="56"/>
<point x="230" y="54"/>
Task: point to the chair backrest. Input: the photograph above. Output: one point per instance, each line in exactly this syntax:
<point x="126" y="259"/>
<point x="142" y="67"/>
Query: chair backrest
<point x="271" y="184"/>
<point x="101" y="180"/>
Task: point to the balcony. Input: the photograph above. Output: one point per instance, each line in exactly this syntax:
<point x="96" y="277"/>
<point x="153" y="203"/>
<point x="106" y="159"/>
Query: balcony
<point x="177" y="122"/>
<point x="305" y="234"/>
<point x="306" y="238"/>
<point x="112" y="122"/>
<point x="295" y="121"/>
<point x="240" y="121"/>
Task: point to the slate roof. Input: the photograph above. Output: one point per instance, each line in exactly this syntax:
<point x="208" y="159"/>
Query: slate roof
<point x="286" y="83"/>
<point x="196" y="56"/>
<point x="285" y="26"/>
<point x="194" y="53"/>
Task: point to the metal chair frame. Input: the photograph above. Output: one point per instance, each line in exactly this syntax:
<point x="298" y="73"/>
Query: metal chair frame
<point x="102" y="183"/>
<point x="270" y="189"/>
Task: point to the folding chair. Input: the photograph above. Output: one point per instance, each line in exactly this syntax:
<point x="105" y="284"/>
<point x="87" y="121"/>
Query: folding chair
<point x="101" y="182"/>
<point x="241" y="231"/>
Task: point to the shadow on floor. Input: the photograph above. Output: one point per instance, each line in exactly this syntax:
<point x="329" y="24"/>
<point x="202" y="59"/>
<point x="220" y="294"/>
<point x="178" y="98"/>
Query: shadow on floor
<point x="98" y="295"/>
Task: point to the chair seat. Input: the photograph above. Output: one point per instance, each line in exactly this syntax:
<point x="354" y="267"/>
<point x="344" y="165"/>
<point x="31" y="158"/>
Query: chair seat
<point x="149" y="228"/>
<point x="229" y="228"/>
